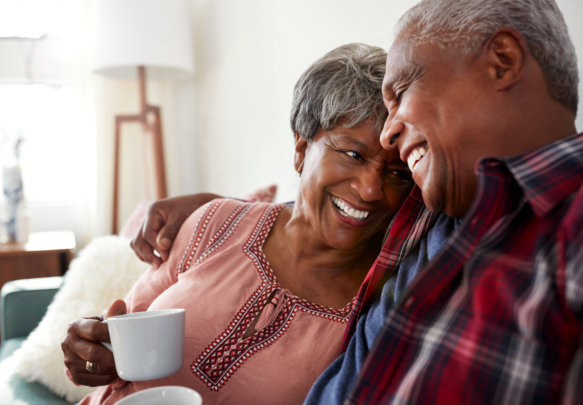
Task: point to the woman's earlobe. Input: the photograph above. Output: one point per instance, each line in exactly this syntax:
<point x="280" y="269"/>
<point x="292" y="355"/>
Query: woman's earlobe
<point x="299" y="163"/>
<point x="300" y="153"/>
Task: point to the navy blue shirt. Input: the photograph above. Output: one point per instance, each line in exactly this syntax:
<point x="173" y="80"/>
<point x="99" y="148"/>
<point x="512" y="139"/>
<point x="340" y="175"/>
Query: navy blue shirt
<point x="333" y="386"/>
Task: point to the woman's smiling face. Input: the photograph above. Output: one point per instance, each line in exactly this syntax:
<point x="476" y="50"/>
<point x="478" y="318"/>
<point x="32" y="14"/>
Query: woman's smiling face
<point x="350" y="186"/>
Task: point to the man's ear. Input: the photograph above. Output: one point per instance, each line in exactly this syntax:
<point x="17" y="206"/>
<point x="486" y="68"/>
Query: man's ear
<point x="506" y="52"/>
<point x="300" y="153"/>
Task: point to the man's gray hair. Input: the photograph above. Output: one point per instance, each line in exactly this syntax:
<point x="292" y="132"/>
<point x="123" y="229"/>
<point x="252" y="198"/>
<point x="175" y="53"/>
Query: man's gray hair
<point x="341" y="88"/>
<point x="468" y="24"/>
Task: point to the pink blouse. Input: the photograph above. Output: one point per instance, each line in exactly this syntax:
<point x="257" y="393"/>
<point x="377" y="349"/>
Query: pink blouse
<point x="217" y="271"/>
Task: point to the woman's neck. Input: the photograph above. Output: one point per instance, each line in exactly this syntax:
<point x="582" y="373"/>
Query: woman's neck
<point x="310" y="268"/>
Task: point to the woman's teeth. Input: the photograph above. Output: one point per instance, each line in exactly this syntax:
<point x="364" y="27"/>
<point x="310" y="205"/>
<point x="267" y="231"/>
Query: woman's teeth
<point x="347" y="211"/>
<point x="416" y="155"/>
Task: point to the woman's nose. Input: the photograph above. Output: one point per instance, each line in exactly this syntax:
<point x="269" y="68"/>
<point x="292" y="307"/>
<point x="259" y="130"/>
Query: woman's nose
<point x="369" y="184"/>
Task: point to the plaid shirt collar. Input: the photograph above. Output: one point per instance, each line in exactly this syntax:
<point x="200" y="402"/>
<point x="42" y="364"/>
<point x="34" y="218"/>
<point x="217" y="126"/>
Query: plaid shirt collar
<point x="547" y="175"/>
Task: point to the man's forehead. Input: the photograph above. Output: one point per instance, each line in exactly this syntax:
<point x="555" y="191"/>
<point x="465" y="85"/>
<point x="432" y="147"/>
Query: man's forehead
<point x="400" y="63"/>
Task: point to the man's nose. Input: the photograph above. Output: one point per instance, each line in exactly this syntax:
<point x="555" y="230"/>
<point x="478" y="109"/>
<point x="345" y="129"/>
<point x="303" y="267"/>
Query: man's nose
<point x="390" y="134"/>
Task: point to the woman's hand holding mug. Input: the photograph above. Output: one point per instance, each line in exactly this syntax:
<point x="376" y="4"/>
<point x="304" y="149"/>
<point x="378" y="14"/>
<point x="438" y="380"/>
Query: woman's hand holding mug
<point x="87" y="361"/>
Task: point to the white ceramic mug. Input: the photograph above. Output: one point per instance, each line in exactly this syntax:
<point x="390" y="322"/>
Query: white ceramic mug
<point x="147" y="345"/>
<point x="165" y="395"/>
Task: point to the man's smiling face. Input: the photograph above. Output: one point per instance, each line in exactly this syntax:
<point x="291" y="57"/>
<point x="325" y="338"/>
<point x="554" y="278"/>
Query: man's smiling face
<point x="436" y="119"/>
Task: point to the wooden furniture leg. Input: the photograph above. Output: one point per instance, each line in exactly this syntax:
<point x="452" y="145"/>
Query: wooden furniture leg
<point x="151" y="119"/>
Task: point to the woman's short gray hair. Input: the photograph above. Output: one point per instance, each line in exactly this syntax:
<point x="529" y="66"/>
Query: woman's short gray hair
<point x="467" y="24"/>
<point x="341" y="88"/>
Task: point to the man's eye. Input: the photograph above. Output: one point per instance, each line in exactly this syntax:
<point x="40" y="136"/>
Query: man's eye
<point x="403" y="175"/>
<point x="398" y="94"/>
<point x="393" y="104"/>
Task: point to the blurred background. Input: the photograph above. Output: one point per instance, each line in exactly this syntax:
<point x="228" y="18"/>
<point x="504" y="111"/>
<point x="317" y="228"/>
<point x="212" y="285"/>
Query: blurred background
<point x="225" y="119"/>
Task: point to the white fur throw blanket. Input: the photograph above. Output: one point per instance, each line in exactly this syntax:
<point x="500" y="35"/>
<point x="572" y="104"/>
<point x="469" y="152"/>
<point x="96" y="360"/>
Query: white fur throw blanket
<point x="103" y="271"/>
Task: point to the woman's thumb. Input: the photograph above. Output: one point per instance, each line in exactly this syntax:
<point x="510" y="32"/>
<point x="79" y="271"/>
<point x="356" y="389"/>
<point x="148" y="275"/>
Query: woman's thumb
<point x="118" y="307"/>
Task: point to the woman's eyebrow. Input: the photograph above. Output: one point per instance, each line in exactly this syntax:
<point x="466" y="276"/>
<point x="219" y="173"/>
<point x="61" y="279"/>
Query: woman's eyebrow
<point x="351" y="141"/>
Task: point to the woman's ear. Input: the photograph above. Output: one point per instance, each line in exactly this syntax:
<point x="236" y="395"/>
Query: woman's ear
<point x="506" y="57"/>
<point x="300" y="153"/>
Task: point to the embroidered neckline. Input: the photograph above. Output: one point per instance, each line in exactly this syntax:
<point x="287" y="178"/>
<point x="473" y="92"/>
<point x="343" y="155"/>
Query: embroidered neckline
<point x="253" y="248"/>
<point x="231" y="348"/>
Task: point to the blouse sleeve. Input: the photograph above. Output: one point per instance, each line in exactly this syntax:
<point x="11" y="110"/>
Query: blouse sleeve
<point x="155" y="281"/>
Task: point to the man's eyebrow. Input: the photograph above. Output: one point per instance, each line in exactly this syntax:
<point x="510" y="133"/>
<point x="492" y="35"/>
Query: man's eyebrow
<point x="408" y="74"/>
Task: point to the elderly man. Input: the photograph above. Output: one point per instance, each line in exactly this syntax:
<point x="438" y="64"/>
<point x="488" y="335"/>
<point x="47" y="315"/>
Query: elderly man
<point x="482" y="97"/>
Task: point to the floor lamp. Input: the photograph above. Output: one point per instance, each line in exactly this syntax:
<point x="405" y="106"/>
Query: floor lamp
<point x="150" y="39"/>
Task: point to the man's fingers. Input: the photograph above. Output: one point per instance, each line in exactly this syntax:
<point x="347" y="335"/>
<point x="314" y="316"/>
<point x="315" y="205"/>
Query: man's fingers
<point x="164" y="255"/>
<point x="153" y="223"/>
<point x="161" y="225"/>
<point x="164" y="240"/>
<point x="144" y="243"/>
<point x="165" y="237"/>
<point x="145" y="251"/>
<point x="167" y="234"/>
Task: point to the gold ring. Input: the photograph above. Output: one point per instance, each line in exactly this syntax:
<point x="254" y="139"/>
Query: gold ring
<point x="89" y="367"/>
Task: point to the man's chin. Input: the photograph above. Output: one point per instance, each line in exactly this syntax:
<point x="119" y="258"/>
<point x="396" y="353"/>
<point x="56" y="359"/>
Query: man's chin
<point x="433" y="200"/>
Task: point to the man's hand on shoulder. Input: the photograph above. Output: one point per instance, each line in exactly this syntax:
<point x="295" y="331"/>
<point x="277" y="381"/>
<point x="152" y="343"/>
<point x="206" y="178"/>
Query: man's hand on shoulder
<point x="163" y="219"/>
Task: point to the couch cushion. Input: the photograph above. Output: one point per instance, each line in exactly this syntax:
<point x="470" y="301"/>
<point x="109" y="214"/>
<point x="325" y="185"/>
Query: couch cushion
<point x="9" y="346"/>
<point x="15" y="390"/>
<point x="104" y="270"/>
<point x="24" y="302"/>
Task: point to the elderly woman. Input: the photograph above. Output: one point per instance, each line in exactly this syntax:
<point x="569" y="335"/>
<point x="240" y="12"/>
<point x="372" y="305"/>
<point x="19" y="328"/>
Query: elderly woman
<point x="267" y="287"/>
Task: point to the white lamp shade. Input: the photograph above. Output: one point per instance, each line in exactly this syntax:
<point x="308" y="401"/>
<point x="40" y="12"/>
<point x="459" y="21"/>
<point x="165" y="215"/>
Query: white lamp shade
<point x="151" y="33"/>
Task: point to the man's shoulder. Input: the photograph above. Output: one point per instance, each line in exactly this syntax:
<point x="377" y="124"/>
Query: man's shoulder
<point x="572" y="221"/>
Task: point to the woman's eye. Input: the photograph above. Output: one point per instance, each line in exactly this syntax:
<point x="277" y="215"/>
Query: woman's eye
<point x="352" y="154"/>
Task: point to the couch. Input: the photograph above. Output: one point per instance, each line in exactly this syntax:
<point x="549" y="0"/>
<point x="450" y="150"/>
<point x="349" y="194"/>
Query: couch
<point x="35" y="314"/>
<point x="86" y="289"/>
<point x="23" y="303"/>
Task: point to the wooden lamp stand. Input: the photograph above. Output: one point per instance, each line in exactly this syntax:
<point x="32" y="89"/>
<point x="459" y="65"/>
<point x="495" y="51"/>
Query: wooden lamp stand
<point x="151" y="121"/>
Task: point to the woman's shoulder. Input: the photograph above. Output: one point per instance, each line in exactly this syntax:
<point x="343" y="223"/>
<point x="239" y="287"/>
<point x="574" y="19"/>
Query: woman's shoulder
<point x="223" y="222"/>
<point x="225" y="207"/>
<point x="227" y="212"/>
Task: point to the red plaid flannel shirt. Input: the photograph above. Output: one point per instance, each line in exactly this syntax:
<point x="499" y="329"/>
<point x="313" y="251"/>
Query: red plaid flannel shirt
<point x="497" y="316"/>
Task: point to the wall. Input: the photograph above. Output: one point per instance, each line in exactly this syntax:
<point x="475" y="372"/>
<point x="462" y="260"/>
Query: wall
<point x="232" y="119"/>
